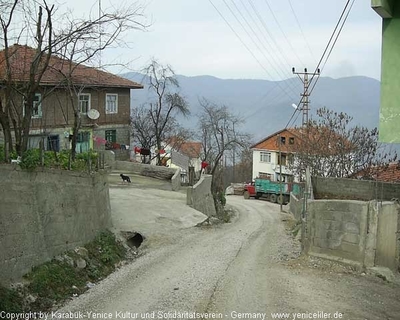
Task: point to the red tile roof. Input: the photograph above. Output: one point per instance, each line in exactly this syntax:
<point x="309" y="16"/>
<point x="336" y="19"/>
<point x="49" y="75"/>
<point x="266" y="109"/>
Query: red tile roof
<point x="21" y="58"/>
<point x="385" y="173"/>
<point x="191" y="149"/>
<point x="315" y="139"/>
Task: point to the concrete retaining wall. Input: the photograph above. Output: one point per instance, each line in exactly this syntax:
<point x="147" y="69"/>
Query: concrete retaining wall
<point x="45" y="213"/>
<point x="149" y="170"/>
<point x="355" y="189"/>
<point x="364" y="233"/>
<point x="200" y="197"/>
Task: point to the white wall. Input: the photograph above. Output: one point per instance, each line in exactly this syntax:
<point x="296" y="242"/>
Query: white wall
<point x="265" y="167"/>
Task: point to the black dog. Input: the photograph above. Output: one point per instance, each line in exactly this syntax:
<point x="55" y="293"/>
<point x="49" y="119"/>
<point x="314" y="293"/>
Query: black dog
<point x="125" y="178"/>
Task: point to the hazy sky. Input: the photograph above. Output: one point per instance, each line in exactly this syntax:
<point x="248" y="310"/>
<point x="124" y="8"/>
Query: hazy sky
<point x="194" y="39"/>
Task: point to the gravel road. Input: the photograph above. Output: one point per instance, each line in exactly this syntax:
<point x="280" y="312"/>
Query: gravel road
<point x="244" y="269"/>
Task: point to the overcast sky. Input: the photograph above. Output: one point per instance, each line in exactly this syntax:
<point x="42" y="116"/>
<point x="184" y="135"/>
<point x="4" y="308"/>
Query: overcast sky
<point x="194" y="39"/>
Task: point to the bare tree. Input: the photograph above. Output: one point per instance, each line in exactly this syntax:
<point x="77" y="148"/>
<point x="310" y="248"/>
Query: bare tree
<point x="219" y="130"/>
<point x="75" y="41"/>
<point x="144" y="131"/>
<point x="157" y="118"/>
<point x="20" y="85"/>
<point x="331" y="147"/>
<point x="78" y="44"/>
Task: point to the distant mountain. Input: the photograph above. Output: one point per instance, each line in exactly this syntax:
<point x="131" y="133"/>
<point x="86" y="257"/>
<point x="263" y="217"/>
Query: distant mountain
<point x="266" y="107"/>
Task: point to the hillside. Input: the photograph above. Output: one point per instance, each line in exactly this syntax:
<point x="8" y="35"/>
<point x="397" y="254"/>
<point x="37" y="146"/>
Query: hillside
<point x="264" y="105"/>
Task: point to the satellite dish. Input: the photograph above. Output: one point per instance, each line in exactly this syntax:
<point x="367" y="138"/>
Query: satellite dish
<point x="93" y="114"/>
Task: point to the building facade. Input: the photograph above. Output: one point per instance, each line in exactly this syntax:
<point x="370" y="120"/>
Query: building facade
<point x="267" y="163"/>
<point x="389" y="10"/>
<point x="102" y="101"/>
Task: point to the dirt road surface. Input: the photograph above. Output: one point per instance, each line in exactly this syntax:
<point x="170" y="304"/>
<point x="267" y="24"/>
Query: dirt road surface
<point x="246" y="269"/>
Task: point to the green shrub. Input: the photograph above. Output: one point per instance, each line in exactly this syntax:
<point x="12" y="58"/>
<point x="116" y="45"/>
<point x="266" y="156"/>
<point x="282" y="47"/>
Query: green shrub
<point x="31" y="159"/>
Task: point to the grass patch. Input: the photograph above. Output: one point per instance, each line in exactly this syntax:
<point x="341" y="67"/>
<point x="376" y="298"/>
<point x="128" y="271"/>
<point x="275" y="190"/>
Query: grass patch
<point x="296" y="229"/>
<point x="10" y="300"/>
<point x="59" y="279"/>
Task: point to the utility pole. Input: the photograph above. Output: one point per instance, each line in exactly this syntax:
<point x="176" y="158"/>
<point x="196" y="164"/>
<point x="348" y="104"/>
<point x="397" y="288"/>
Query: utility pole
<point x="305" y="100"/>
<point x="280" y="172"/>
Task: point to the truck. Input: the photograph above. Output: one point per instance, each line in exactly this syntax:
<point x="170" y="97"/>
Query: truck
<point x="249" y="190"/>
<point x="271" y="190"/>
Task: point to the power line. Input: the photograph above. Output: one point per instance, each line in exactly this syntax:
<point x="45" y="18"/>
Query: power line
<point x="278" y="95"/>
<point x="284" y="34"/>
<point x="268" y="32"/>
<point x="264" y="25"/>
<point x="334" y="43"/>
<point x="259" y="40"/>
<point x="301" y="29"/>
<point x="330" y="39"/>
<point x="243" y="43"/>
<point x="323" y="55"/>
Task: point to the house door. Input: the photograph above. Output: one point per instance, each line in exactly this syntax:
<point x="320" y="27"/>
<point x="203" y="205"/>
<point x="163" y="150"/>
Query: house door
<point x="53" y="143"/>
<point x="83" y="142"/>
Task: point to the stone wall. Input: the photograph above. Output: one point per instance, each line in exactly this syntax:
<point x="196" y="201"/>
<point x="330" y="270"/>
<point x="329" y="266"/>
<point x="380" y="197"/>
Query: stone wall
<point x="45" y="213"/>
<point x="355" y="189"/>
<point x="200" y="197"/>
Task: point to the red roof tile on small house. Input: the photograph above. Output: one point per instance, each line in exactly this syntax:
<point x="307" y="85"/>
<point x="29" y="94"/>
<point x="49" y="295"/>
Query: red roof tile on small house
<point x="21" y="58"/>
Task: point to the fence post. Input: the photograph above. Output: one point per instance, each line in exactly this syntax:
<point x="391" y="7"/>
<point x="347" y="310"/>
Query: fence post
<point x="191" y="176"/>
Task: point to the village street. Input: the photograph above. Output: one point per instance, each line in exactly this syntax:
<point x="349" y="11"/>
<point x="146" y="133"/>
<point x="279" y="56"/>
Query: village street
<point x="247" y="268"/>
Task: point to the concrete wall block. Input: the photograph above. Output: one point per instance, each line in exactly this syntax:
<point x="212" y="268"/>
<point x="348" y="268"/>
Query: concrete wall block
<point x="351" y="248"/>
<point x="334" y="235"/>
<point x="352" y="216"/>
<point x="330" y="215"/>
<point x="201" y="197"/>
<point x="351" y="227"/>
<point x="357" y="189"/>
<point x="57" y="218"/>
<point x="351" y="238"/>
<point x="176" y="180"/>
<point x="332" y="225"/>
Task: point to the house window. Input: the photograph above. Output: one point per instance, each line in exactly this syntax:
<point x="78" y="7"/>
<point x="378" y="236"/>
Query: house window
<point x="264" y="175"/>
<point x="83" y="137"/>
<point x="265" y="157"/>
<point x="111" y="136"/>
<point x="36" y="106"/>
<point x="84" y="103"/>
<point x="291" y="140"/>
<point x="283" y="140"/>
<point x="283" y="156"/>
<point x="111" y="103"/>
